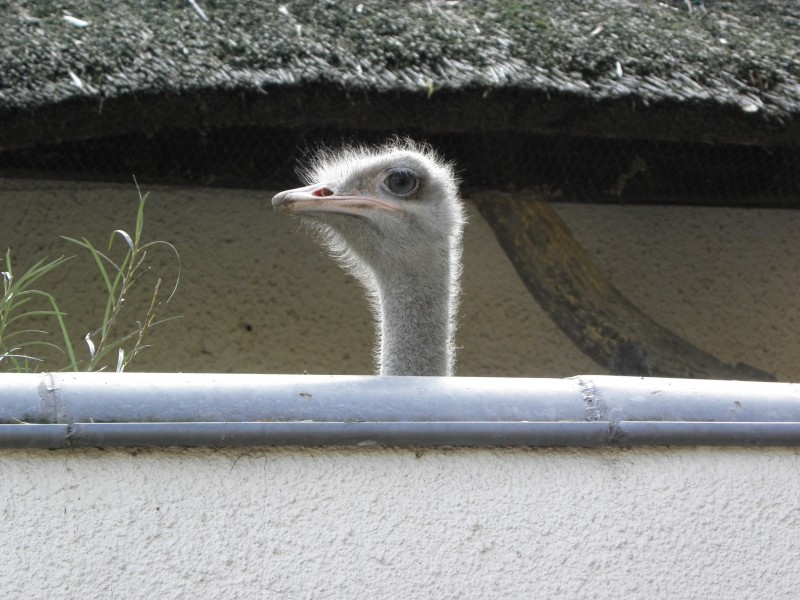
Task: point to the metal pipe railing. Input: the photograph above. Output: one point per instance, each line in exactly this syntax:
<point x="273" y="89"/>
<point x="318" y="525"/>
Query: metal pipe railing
<point x="59" y="410"/>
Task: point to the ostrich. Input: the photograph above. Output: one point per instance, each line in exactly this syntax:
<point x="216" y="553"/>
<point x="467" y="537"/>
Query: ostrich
<point x="392" y="217"/>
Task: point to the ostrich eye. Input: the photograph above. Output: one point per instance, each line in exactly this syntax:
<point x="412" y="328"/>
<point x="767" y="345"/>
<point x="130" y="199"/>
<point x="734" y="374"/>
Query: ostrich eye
<point x="401" y="182"/>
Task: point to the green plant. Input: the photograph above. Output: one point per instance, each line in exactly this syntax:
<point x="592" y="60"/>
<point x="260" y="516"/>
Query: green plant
<point x="119" y="278"/>
<point x="17" y="294"/>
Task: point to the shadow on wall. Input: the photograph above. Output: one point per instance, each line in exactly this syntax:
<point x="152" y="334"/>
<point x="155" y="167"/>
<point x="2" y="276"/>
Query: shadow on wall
<point x="257" y="295"/>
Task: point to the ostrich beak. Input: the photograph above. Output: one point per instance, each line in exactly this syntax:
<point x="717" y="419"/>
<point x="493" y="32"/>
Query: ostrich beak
<point x="321" y="198"/>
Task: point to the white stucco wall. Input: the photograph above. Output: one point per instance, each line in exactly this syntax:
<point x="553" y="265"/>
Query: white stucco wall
<point x="373" y="523"/>
<point x="257" y="295"/>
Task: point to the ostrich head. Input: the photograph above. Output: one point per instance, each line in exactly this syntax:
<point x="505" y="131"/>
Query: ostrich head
<point x="392" y="216"/>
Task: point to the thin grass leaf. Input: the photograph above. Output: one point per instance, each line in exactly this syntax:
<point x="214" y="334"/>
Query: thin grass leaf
<point x="112" y="303"/>
<point x="37" y="271"/>
<point x="24" y="316"/>
<point x="14" y="307"/>
<point x="36" y="343"/>
<point x="106" y="349"/>
<point x="62" y="326"/>
<point x="165" y="320"/>
<point x="178" y="259"/>
<point x="33" y="313"/>
<point x="99" y="257"/>
<point x="23" y="356"/>
<point x="124" y="235"/>
<point x="23" y="332"/>
<point x="90" y="344"/>
<point x="140" y="216"/>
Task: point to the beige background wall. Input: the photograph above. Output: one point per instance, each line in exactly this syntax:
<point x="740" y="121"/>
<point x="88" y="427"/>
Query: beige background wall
<point x="423" y="523"/>
<point x="257" y="295"/>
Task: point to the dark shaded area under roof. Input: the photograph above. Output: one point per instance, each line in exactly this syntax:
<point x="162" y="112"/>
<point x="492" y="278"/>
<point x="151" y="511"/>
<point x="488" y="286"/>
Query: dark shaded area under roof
<point x="586" y="96"/>
<point x="573" y="169"/>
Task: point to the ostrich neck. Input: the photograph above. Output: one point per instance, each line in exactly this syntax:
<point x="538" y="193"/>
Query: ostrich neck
<point x="416" y="313"/>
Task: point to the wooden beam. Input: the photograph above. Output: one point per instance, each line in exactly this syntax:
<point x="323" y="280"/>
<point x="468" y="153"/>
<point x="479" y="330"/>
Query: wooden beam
<point x="602" y="322"/>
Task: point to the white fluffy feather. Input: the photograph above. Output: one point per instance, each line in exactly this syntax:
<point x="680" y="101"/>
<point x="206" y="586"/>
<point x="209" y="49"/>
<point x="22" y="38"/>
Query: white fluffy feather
<point x="409" y="261"/>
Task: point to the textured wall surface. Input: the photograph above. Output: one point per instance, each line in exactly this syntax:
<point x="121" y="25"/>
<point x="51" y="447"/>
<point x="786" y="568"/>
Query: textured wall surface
<point x="369" y="523"/>
<point x="257" y="295"/>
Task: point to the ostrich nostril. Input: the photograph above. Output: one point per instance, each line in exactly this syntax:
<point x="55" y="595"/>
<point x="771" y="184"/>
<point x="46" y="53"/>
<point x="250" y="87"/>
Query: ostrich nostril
<point x="322" y="192"/>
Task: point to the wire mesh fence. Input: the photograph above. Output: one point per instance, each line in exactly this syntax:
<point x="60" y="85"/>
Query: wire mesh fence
<point x="572" y="168"/>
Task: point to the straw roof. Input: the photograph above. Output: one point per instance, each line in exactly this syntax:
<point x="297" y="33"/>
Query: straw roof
<point x="680" y="70"/>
